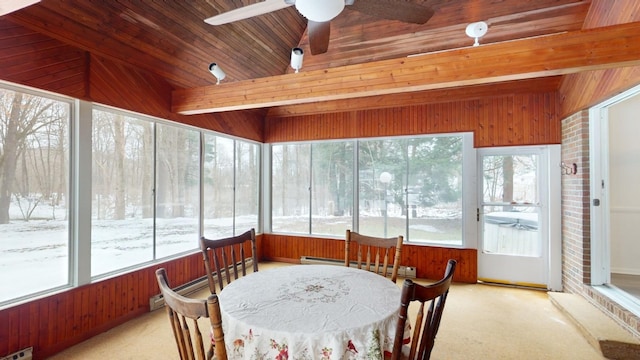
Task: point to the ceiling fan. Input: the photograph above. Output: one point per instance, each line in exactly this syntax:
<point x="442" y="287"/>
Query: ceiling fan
<point x="319" y="14"/>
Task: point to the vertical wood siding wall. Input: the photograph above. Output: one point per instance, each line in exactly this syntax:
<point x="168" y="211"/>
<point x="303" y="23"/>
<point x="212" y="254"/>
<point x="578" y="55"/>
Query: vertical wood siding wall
<point x="500" y="120"/>
<point x="32" y="59"/>
<point x="582" y="90"/>
<point x="430" y="262"/>
<point x="56" y="322"/>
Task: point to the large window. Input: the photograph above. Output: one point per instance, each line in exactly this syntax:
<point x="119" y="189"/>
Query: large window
<point x="218" y="186"/>
<point x="34" y="193"/>
<point x="231" y="178"/>
<point x="382" y="168"/>
<point x="312" y="188"/>
<point x="412" y="187"/>
<point x="290" y="185"/>
<point x="247" y="187"/>
<point x="434" y="190"/>
<point x="405" y="186"/>
<point x="140" y="177"/>
<point x="332" y="188"/>
<point x="177" y="190"/>
<point x="122" y="191"/>
<point x="136" y="216"/>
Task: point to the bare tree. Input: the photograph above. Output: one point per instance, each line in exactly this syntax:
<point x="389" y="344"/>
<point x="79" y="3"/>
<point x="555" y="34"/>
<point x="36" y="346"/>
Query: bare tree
<point x="119" y="192"/>
<point x="146" y="167"/>
<point x="22" y="117"/>
<point x="507" y="181"/>
<point x="11" y="139"/>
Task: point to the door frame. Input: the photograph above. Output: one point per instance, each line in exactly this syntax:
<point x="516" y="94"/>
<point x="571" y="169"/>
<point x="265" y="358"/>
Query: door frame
<point x="600" y="234"/>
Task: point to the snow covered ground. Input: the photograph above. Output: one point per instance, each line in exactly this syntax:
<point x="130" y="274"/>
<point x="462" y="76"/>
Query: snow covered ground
<point x="34" y="255"/>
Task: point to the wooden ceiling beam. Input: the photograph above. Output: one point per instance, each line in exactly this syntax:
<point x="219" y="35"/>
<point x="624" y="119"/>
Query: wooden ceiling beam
<point x="558" y="54"/>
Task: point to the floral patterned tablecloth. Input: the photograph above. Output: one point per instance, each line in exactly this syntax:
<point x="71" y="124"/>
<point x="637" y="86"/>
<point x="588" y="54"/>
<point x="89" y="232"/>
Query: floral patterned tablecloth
<point x="309" y="312"/>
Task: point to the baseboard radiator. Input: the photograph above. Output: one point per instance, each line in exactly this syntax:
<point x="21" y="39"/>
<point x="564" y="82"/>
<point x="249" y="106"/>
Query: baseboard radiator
<point x="157" y="301"/>
<point x="24" y="354"/>
<point x="408" y="272"/>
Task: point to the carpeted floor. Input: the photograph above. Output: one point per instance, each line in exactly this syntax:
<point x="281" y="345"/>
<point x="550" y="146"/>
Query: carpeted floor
<point x="479" y="322"/>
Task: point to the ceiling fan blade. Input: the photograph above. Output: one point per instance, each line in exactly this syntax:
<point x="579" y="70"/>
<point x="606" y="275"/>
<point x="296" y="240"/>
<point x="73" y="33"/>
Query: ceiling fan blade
<point x="404" y="11"/>
<point x="246" y="12"/>
<point x="319" y="33"/>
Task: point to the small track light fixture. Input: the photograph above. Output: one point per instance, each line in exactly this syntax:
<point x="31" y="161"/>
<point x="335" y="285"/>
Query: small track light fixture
<point x="296" y="58"/>
<point x="217" y="72"/>
<point x="476" y="30"/>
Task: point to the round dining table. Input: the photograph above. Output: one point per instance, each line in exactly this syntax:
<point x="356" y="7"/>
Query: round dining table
<point x="310" y="312"/>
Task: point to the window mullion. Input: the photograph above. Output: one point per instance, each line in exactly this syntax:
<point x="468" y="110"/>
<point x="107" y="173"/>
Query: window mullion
<point x="80" y="249"/>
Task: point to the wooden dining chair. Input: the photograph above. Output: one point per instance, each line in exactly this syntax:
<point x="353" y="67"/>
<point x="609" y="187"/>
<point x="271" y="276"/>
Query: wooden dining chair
<point x="229" y="257"/>
<point x="371" y="251"/>
<point x="184" y="314"/>
<point x="424" y="329"/>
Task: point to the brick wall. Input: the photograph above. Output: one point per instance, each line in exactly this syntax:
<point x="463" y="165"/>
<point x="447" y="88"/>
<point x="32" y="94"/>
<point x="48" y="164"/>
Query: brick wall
<point x="575" y="203"/>
<point x="576" y="232"/>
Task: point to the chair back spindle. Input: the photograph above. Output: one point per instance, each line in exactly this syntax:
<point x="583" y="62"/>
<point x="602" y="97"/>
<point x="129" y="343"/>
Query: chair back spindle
<point x="229" y="257"/>
<point x="373" y="253"/>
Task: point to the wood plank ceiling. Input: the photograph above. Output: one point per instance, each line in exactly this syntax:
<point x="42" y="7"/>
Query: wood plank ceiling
<point x="170" y="39"/>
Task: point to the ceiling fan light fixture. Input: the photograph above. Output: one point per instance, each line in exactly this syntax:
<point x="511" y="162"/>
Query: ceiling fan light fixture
<point x="217" y="72"/>
<point x="320" y="10"/>
<point x="296" y="58"/>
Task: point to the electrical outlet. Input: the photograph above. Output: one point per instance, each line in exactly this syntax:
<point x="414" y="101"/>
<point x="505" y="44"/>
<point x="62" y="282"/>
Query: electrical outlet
<point x="24" y="354"/>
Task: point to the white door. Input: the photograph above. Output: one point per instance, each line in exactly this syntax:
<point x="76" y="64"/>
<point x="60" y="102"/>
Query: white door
<point x="513" y="216"/>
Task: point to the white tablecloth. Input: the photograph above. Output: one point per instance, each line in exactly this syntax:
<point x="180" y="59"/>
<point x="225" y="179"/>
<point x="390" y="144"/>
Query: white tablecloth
<point x="309" y="312"/>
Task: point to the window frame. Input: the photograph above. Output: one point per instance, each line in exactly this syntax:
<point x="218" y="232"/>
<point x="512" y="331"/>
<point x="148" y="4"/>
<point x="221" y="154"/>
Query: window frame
<point x="71" y="184"/>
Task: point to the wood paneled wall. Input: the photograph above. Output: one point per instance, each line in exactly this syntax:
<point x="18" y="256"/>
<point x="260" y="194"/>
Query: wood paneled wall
<point x="32" y="59"/>
<point x="55" y="322"/>
<point x="583" y="90"/>
<point x="430" y="262"/>
<point x="501" y="120"/>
